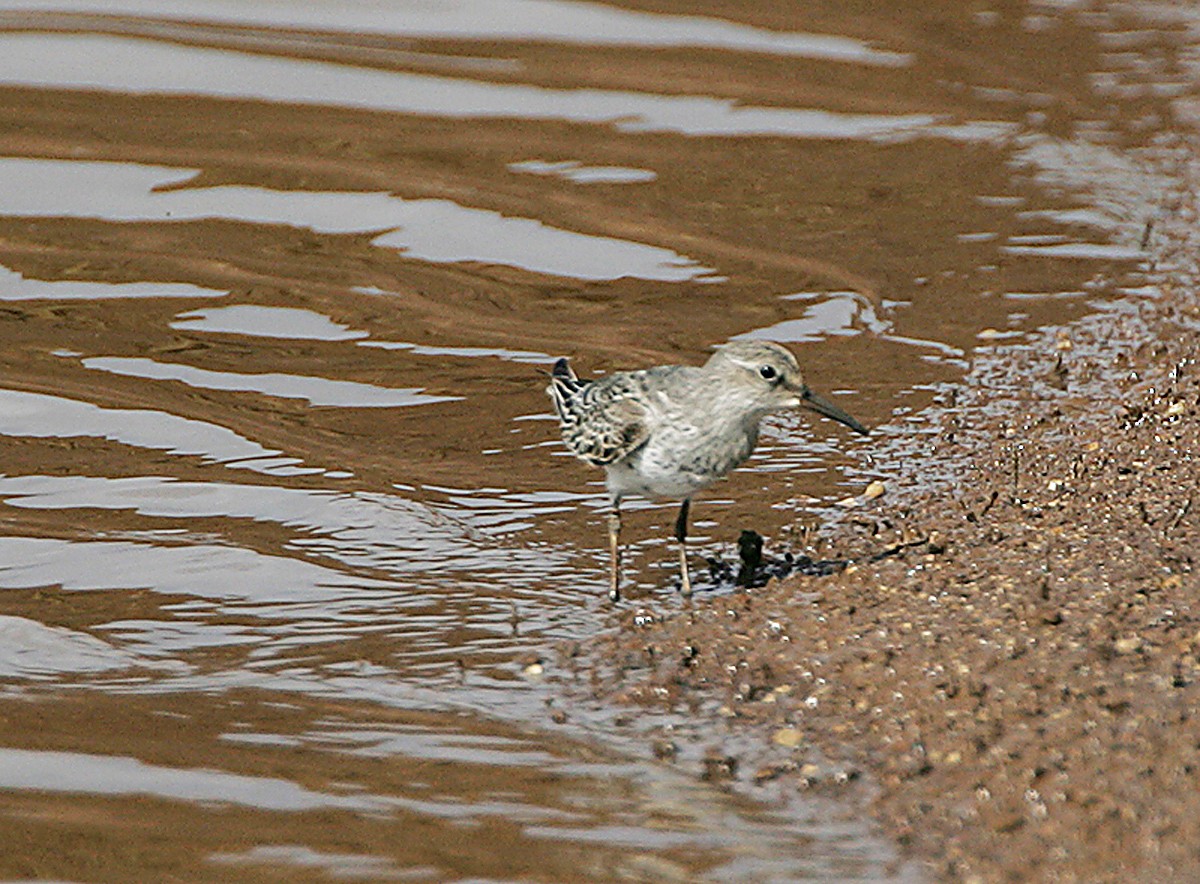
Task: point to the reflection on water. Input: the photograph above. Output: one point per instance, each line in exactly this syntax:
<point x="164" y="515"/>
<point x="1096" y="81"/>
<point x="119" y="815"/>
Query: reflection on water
<point x="15" y="287"/>
<point x="361" y="634"/>
<point x="470" y="352"/>
<point x="1084" y="250"/>
<point x="829" y="314"/>
<point x="363" y="530"/>
<point x="114" y="775"/>
<point x="40" y="416"/>
<point x="432" y="230"/>
<point x="577" y="173"/>
<point x="31" y="650"/>
<point x="135" y="66"/>
<point x="189" y="569"/>
<point x="336" y="865"/>
<point x="840" y="315"/>
<point x="553" y="20"/>
<point x="266" y="322"/>
<point x="316" y="391"/>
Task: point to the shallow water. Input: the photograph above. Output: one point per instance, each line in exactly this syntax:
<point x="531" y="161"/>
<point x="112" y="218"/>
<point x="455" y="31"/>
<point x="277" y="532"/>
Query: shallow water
<point x="288" y="549"/>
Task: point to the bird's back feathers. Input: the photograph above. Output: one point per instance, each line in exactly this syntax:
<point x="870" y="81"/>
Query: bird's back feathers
<point x="602" y="421"/>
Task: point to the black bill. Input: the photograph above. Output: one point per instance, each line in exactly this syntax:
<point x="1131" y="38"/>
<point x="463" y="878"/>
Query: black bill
<point x="811" y="400"/>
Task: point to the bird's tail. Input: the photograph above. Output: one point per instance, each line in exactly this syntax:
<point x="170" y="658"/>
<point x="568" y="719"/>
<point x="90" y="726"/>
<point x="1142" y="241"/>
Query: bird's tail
<point x="564" y="386"/>
<point x="562" y="373"/>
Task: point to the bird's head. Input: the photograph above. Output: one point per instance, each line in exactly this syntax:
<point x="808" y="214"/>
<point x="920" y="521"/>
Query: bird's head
<point x="768" y="375"/>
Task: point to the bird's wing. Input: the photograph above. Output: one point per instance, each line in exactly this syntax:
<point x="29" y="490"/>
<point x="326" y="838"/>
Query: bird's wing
<point x="602" y="421"/>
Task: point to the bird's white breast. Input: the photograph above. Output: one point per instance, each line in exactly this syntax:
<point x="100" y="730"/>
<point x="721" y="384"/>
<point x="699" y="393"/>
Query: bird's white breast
<point x="681" y="458"/>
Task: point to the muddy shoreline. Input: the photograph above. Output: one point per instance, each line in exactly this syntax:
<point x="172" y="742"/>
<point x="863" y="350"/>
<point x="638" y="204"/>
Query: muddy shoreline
<point x="1012" y="690"/>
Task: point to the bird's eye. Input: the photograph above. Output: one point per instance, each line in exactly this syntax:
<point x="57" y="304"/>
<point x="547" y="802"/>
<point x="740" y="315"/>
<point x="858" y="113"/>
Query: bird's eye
<point x="767" y="371"/>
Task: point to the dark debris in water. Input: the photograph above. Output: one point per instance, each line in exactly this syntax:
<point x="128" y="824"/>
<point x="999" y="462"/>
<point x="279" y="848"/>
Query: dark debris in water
<point x="754" y="569"/>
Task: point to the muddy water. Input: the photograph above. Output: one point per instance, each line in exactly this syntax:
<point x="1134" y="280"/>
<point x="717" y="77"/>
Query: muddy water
<point x="287" y="547"/>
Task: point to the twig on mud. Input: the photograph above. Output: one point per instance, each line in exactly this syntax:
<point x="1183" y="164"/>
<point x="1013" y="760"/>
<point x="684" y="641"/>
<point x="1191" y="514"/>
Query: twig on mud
<point x="893" y="550"/>
<point x="1179" y="517"/>
<point x="991" y="502"/>
<point x="975" y="517"/>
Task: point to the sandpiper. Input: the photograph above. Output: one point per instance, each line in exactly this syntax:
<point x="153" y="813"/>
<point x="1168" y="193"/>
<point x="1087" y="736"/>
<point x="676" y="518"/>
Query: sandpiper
<point x="672" y="430"/>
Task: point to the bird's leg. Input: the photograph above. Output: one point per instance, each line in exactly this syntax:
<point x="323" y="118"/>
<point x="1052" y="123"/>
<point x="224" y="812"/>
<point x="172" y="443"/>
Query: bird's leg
<point x="614" y="549"/>
<point x="681" y="536"/>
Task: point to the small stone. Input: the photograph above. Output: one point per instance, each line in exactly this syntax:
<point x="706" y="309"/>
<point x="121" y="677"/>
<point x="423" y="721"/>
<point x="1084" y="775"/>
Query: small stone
<point x="848" y="502"/>
<point x="874" y="490"/>
<point x="533" y="670"/>
<point x="1127" y="645"/>
<point x="643" y="619"/>
<point x="558" y="716"/>
<point x="768" y="772"/>
<point x="664" y="750"/>
<point x="648" y="867"/>
<point x="719" y="767"/>
<point x="788" y="737"/>
<point x="845" y="775"/>
<point x="1176" y="408"/>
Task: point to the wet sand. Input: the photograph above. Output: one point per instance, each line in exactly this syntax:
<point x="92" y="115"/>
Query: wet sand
<point x="1006" y="670"/>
